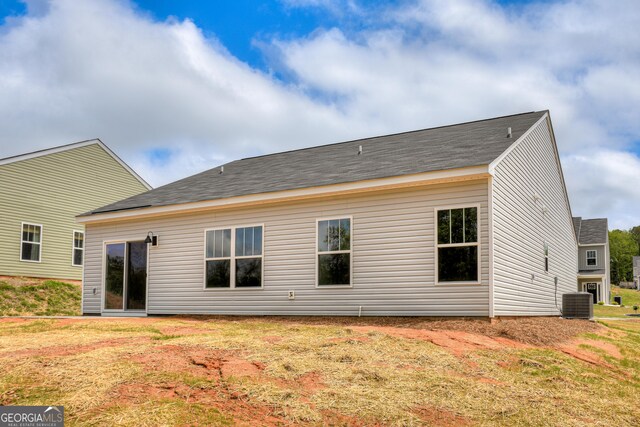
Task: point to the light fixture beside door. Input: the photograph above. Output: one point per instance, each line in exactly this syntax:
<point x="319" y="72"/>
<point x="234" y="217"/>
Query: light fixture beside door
<point x="151" y="238"/>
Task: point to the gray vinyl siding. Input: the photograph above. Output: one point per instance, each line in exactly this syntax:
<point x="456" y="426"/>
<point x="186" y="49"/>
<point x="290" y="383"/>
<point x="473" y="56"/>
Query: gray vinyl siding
<point x="601" y="263"/>
<point x="521" y="229"/>
<point x="392" y="250"/>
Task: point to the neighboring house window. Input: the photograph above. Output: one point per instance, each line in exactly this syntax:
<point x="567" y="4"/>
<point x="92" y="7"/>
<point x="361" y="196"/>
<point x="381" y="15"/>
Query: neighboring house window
<point x="457" y="245"/>
<point x="233" y="258"/>
<point x="592" y="257"/>
<point x="31" y="242"/>
<point x="333" y="255"/>
<point x="546" y="257"/>
<point x="78" y="247"/>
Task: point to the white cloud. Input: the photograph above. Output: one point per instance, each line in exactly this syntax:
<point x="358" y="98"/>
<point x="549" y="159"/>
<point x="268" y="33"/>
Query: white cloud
<point x="75" y="70"/>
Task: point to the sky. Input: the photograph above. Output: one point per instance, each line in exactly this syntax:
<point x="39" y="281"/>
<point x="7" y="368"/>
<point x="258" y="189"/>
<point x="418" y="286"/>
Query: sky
<point x="177" y="87"/>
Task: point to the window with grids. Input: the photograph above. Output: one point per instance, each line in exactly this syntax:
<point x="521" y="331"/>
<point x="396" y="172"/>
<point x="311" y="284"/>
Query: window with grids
<point x="233" y="257"/>
<point x="546" y="257"/>
<point x="31" y="242"/>
<point x="592" y="258"/>
<point x="457" y="245"/>
<point x="334" y="252"/>
<point x="78" y="247"/>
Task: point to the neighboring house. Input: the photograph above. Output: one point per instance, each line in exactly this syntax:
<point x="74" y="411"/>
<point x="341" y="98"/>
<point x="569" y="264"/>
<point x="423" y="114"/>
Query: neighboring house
<point x="40" y="195"/>
<point x="593" y="257"/>
<point x="467" y="220"/>
<point x="636" y="272"/>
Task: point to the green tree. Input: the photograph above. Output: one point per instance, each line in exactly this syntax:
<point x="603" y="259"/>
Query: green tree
<point x="635" y="232"/>
<point x="623" y="246"/>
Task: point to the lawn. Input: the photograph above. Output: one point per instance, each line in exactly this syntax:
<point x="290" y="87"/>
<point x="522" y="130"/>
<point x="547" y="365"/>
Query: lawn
<point x="630" y="297"/>
<point x="324" y="371"/>
<point x="25" y="297"/>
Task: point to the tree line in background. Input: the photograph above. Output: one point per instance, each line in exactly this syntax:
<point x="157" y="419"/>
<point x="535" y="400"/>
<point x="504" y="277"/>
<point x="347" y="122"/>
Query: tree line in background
<point x="623" y="245"/>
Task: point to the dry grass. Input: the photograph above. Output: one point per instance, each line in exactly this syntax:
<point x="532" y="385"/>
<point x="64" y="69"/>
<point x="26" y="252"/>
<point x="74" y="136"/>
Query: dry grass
<point x="324" y="371"/>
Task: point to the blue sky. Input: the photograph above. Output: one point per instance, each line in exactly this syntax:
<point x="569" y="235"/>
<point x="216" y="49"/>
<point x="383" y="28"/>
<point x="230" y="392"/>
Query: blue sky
<point x="177" y="87"/>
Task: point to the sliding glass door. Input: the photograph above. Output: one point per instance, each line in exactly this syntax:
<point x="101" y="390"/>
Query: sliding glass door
<point x="125" y="280"/>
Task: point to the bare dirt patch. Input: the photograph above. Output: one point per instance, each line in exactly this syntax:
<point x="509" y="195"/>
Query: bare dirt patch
<point x="244" y="411"/>
<point x="183" y="330"/>
<point x="457" y="342"/>
<point x="438" y="417"/>
<point x="538" y="331"/>
<point x="70" y="350"/>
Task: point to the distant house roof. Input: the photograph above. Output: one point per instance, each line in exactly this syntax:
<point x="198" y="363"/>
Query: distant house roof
<point x="61" y="148"/>
<point x="441" y="148"/>
<point x="591" y="231"/>
<point x="591" y="272"/>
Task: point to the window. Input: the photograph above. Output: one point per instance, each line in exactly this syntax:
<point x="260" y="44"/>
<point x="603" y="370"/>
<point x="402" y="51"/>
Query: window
<point x="233" y="258"/>
<point x="592" y="258"/>
<point x="546" y="257"/>
<point x="31" y="242"/>
<point x="457" y="245"/>
<point x="334" y="252"/>
<point x="78" y="247"/>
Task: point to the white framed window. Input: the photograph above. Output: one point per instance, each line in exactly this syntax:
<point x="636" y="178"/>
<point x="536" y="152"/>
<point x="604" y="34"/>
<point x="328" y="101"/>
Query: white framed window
<point x="592" y="257"/>
<point x="31" y="242"/>
<point x="457" y="245"/>
<point x="333" y="252"/>
<point x="233" y="257"/>
<point x="546" y="257"/>
<point x="78" y="248"/>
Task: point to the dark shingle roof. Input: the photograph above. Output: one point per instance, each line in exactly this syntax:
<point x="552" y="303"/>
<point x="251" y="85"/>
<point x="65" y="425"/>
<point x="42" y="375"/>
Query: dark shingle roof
<point x="448" y="147"/>
<point x="591" y="231"/>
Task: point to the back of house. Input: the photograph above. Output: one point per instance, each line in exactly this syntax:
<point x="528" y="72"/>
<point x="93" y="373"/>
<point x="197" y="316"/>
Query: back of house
<point x="40" y="195"/>
<point x="470" y="219"/>
<point x="594" y="265"/>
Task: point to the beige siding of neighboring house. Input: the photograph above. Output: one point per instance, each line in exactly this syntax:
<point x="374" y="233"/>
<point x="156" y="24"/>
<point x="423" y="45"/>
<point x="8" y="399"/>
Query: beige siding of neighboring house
<point x="521" y="285"/>
<point x="393" y="257"/>
<point x="601" y="263"/>
<point x="50" y="190"/>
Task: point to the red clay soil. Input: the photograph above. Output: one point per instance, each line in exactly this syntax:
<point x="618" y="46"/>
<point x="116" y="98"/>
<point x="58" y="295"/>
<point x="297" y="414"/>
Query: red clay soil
<point x="539" y="331"/>
<point x="70" y="350"/>
<point x="243" y="411"/>
<point x="456" y="342"/>
<point x="438" y="417"/>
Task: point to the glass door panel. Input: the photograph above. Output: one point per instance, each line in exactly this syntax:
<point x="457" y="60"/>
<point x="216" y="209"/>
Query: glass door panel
<point x="136" y="275"/>
<point x="114" y="277"/>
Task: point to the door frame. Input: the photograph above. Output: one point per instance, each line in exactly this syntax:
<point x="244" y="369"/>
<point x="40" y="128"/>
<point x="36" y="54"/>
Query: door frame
<point x="598" y="289"/>
<point x="122" y="311"/>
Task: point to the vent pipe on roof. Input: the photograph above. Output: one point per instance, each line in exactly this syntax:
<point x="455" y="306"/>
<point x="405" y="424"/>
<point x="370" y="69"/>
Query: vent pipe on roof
<point x="359" y="149"/>
<point x="221" y="169"/>
<point x="508" y="132"/>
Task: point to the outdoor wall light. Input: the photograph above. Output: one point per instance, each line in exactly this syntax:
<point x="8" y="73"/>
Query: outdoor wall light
<point x="151" y="238"/>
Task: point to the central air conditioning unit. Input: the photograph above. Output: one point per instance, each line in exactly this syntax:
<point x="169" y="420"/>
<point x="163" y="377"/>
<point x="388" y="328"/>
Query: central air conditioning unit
<point x="578" y="305"/>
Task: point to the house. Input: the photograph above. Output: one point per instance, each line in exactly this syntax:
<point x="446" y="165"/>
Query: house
<point x="593" y="257"/>
<point x="636" y="272"/>
<point x="40" y="195"/>
<point x="471" y="219"/>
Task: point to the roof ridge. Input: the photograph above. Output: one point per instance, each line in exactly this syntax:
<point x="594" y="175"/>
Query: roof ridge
<point x="386" y="135"/>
